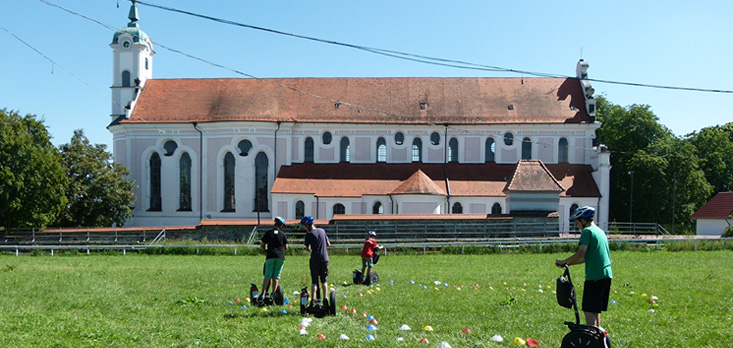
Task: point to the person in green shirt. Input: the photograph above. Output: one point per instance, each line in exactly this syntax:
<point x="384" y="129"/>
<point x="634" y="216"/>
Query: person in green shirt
<point x="593" y="251"/>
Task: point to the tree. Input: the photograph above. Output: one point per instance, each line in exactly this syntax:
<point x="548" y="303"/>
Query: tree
<point x="98" y="193"/>
<point x="32" y="180"/>
<point x="715" y="149"/>
<point x="667" y="179"/>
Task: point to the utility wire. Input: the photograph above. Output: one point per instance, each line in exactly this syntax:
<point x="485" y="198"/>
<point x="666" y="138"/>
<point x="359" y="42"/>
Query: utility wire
<point x="425" y="59"/>
<point x="301" y="91"/>
<point x="53" y="62"/>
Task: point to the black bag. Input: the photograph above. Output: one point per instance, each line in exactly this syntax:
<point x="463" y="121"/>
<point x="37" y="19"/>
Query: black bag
<point x="565" y="290"/>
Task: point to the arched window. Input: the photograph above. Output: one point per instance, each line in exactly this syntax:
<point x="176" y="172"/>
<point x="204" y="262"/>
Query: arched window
<point x="490" y="150"/>
<point x="126" y="78"/>
<point x="457" y="208"/>
<point x="496" y="209"/>
<point x="453" y="150"/>
<point x="526" y="149"/>
<point x="184" y="195"/>
<point x="244" y="146"/>
<point x="339" y="208"/>
<point x="417" y="150"/>
<point x="299" y="210"/>
<point x="229" y="200"/>
<point x="308" y="151"/>
<point x="381" y="150"/>
<point x="170" y="147"/>
<point x="261" y="164"/>
<point x="562" y="150"/>
<point x="345" y="147"/>
<point x="399" y="138"/>
<point x="508" y="139"/>
<point x="377" y="208"/>
<point x="326" y="137"/>
<point x="435" y="138"/>
<point x="155" y="196"/>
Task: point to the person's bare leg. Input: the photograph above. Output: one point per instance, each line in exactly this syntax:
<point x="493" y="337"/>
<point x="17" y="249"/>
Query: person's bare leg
<point x="593" y="318"/>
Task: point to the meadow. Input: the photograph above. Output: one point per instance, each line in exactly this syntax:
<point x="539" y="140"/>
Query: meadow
<point x="137" y="300"/>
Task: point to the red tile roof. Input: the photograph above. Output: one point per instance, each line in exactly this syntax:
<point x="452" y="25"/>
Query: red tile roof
<point x="356" y="180"/>
<point x="363" y="100"/>
<point x="415" y="217"/>
<point x="418" y="183"/>
<point x="533" y="176"/>
<point x="720" y="207"/>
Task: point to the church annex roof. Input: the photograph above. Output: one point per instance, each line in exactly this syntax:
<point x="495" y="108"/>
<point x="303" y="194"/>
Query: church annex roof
<point x="418" y="183"/>
<point x="393" y="100"/>
<point x="484" y="179"/>
<point x="533" y="176"/>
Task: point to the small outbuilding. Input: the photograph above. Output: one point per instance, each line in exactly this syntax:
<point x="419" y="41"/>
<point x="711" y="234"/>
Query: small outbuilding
<point x="713" y="217"/>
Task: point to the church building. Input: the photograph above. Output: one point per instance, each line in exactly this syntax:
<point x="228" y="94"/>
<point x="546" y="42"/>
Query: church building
<point x="243" y="149"/>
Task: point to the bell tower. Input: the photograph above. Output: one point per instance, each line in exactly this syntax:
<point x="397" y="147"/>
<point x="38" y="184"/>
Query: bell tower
<point x="133" y="65"/>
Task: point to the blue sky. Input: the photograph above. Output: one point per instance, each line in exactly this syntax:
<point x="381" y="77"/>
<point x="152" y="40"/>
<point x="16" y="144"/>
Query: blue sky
<point x="676" y="43"/>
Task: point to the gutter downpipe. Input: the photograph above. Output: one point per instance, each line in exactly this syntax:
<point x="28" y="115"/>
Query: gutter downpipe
<point x="445" y="169"/>
<point x="317" y="205"/>
<point x="201" y="172"/>
<point x="274" y="174"/>
<point x="392" y="203"/>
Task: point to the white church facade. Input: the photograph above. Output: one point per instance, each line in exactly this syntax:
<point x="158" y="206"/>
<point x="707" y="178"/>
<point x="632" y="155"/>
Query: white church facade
<point x="242" y="149"/>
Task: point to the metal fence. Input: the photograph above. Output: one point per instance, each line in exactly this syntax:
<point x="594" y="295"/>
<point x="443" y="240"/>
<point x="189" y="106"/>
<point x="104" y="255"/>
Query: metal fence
<point x="425" y="246"/>
<point x="439" y="231"/>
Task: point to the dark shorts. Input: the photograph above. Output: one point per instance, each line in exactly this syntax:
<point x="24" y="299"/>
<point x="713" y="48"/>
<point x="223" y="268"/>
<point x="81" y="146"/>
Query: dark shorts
<point x="595" y="295"/>
<point x="319" y="269"/>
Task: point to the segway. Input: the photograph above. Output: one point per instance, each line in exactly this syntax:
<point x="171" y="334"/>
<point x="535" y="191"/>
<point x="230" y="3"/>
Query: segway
<point x="373" y="278"/>
<point x="278" y="297"/>
<point x="316" y="308"/>
<point x="580" y="335"/>
<point x="359" y="277"/>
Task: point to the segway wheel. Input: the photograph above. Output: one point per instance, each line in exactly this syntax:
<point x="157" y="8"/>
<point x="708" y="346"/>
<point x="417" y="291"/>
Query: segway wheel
<point x="373" y="278"/>
<point x="358" y="277"/>
<point x="279" y="296"/>
<point x="332" y="303"/>
<point x="375" y="257"/>
<point x="582" y="338"/>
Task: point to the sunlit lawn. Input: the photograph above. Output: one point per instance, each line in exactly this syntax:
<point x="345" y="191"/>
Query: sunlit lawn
<point x="182" y="301"/>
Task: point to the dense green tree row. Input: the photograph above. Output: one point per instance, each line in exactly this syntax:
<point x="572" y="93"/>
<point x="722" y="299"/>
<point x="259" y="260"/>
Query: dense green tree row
<point x="41" y="185"/>
<point x="672" y="176"/>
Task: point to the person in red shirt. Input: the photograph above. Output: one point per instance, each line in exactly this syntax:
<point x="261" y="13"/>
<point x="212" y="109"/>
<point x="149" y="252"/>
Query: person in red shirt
<point x="367" y="252"/>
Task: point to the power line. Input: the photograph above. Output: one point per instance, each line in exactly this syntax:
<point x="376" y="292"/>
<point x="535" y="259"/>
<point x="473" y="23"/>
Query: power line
<point x="53" y="62"/>
<point x="425" y="59"/>
<point x="301" y="91"/>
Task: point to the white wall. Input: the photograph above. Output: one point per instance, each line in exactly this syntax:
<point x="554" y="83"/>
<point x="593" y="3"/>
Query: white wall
<point x="134" y="142"/>
<point x="711" y="227"/>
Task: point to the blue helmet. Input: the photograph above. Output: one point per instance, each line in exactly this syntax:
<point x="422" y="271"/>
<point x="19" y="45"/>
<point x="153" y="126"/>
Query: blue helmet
<point x="585" y="212"/>
<point x="279" y="221"/>
<point x="306" y="220"/>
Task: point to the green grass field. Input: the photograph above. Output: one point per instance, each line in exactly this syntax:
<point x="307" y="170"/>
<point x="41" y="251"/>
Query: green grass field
<point x="182" y="301"/>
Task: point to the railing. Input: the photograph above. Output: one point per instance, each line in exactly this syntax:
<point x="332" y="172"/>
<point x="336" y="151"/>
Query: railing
<point x="416" y="245"/>
<point x="159" y="237"/>
<point x="252" y="235"/>
<point x="635" y="228"/>
<point x="439" y="231"/>
<point x="345" y="233"/>
<point x="81" y="236"/>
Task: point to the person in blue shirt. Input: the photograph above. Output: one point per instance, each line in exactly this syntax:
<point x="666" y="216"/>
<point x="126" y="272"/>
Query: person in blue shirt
<point x="316" y="241"/>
